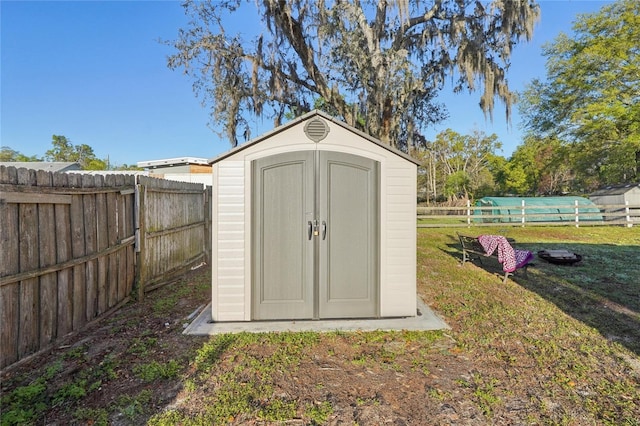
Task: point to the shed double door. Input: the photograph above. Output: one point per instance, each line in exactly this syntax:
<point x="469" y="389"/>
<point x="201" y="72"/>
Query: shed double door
<point x="315" y="236"/>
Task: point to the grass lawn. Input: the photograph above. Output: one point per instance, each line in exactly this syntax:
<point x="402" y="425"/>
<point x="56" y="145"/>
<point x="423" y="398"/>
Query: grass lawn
<point x="559" y="346"/>
<point x="567" y="339"/>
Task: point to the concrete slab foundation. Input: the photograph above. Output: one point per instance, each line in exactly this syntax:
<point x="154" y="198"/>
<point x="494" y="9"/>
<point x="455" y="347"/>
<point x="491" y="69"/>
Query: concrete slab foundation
<point x="425" y="320"/>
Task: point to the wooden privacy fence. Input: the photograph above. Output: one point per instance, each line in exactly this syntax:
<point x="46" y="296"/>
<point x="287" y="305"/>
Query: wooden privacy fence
<point x="174" y="229"/>
<point x="67" y="245"/>
<point x="533" y="215"/>
<point x="73" y="246"/>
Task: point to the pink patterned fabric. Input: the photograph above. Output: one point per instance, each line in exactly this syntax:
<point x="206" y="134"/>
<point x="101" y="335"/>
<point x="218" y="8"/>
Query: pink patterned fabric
<point x="511" y="259"/>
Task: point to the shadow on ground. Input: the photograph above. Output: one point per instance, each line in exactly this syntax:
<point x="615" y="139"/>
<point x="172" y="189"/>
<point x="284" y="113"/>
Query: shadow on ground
<point x="602" y="291"/>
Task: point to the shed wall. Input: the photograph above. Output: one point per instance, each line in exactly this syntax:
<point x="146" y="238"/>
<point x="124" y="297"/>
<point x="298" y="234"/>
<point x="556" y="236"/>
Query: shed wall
<point x="231" y="242"/>
<point x="607" y="199"/>
<point x="398" y="240"/>
<point x="632" y="195"/>
<point x="230" y="232"/>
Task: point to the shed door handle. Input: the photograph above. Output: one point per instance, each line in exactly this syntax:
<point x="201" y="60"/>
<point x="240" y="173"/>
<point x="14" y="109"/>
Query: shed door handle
<point x="310" y="229"/>
<point x="324" y="229"/>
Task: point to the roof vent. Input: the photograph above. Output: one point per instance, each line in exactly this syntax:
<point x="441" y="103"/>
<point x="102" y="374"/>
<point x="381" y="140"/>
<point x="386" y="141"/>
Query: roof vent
<point x="316" y="129"/>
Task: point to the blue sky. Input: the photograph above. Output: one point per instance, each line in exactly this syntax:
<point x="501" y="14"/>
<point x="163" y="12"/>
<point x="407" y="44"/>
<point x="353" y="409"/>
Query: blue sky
<point x="95" y="72"/>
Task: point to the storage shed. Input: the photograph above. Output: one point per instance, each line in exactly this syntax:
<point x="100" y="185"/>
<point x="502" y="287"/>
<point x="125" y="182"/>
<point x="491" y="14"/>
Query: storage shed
<point x="617" y="194"/>
<point x="313" y="220"/>
<point x="537" y="209"/>
<point x="614" y="198"/>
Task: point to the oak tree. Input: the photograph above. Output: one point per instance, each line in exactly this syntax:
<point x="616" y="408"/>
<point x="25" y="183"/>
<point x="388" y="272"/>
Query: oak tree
<point x="538" y="167"/>
<point x="378" y="65"/>
<point x="63" y="150"/>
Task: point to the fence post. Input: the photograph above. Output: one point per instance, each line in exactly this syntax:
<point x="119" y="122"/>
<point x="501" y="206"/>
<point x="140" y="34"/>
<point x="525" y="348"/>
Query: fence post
<point x="577" y="212"/>
<point x="626" y="211"/>
<point x="141" y="270"/>
<point x="468" y="213"/>
<point x="523" y="213"/>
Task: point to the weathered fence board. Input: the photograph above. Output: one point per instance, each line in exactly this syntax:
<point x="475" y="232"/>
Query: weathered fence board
<point x="28" y="332"/>
<point x="112" y="239"/>
<point x="129" y="213"/>
<point x="89" y="206"/>
<point x="78" y="251"/>
<point x="63" y="254"/>
<point x="123" y="256"/>
<point x="46" y="235"/>
<point x="9" y="265"/>
<point x="101" y="245"/>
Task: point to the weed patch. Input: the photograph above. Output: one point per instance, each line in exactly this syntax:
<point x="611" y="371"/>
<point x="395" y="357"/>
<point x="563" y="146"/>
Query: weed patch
<point x="156" y="370"/>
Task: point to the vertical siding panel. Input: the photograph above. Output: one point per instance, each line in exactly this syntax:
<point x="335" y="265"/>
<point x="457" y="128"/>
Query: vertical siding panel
<point x="230" y="276"/>
<point x="398" y="294"/>
<point x="47" y="248"/>
<point x="63" y="254"/>
<point x="29" y="334"/>
<point x="78" y="250"/>
<point x="9" y="265"/>
<point x="213" y="232"/>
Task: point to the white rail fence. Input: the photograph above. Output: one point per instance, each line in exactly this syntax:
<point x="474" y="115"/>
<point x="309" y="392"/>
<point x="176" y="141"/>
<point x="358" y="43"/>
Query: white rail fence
<point x="529" y="215"/>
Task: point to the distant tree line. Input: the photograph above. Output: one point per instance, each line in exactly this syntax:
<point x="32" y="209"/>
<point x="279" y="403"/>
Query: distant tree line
<point x="62" y="150"/>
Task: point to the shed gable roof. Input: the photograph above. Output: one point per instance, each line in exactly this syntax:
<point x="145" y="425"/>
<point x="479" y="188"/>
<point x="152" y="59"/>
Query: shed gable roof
<point x="308" y="116"/>
<point x="616" y="190"/>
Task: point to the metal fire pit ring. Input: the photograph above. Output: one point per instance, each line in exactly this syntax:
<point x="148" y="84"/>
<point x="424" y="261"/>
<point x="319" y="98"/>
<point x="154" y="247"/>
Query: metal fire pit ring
<point x="560" y="257"/>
